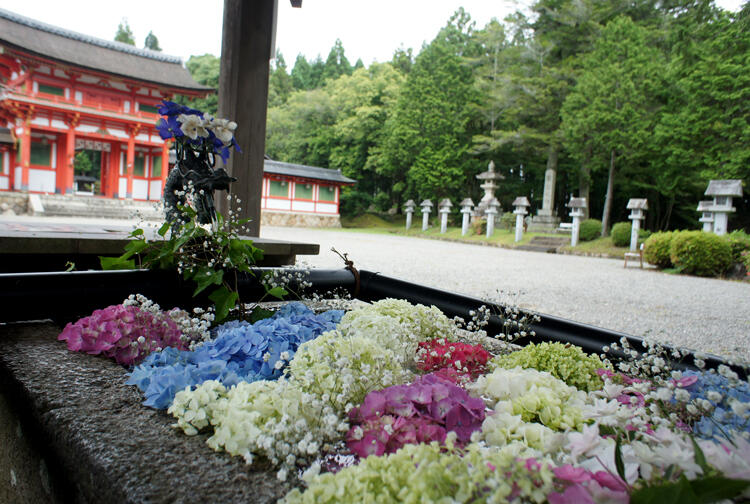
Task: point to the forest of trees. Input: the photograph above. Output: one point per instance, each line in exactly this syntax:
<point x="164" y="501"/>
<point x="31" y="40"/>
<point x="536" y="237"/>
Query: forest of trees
<point x="623" y="98"/>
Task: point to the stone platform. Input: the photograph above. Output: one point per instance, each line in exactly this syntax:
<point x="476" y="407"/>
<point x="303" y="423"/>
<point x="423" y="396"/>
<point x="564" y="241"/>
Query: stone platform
<point x="35" y="245"/>
<point x="71" y="431"/>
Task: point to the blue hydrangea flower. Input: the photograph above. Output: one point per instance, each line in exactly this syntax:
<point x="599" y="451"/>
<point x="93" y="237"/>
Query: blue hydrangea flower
<point x="240" y="351"/>
<point x="722" y="421"/>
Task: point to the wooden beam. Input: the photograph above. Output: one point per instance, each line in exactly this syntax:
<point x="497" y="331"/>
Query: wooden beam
<point x="243" y="98"/>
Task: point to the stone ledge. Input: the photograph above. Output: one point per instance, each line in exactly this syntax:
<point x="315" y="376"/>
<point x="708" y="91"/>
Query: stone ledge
<point x="99" y="443"/>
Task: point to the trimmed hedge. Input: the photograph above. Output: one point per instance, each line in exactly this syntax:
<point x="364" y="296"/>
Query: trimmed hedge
<point x="700" y="253"/>
<point x="656" y="249"/>
<point x="739" y="241"/>
<point x="590" y="230"/>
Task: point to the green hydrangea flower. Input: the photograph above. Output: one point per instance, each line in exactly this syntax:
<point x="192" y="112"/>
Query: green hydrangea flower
<point x="566" y="362"/>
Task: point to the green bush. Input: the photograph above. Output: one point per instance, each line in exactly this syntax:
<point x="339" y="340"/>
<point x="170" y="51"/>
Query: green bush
<point x="382" y="202"/>
<point x="656" y="249"/>
<point x="739" y="241"/>
<point x="590" y="230"/>
<point x="508" y="221"/>
<point x="354" y="202"/>
<point x="700" y="253"/>
<point x="621" y="234"/>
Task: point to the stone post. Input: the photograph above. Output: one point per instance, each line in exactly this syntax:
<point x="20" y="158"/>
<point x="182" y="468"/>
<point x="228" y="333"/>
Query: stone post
<point x="576" y="205"/>
<point x="637" y="208"/>
<point x="492" y="210"/>
<point x="466" y="206"/>
<point x="409" y="210"/>
<point x="444" y="208"/>
<point x="520" y="204"/>
<point x="426" y="207"/>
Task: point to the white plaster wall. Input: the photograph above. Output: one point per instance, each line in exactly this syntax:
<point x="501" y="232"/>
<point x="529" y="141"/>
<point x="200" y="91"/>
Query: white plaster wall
<point x="4" y="182"/>
<point x="326" y="207"/>
<point x="6" y="163"/>
<point x="140" y="189"/>
<point x="303" y="206"/>
<point x="119" y="85"/>
<point x="17" y="178"/>
<point x="118" y="133"/>
<point x="54" y="155"/>
<point x="41" y="180"/>
<point x="142" y="136"/>
<point x="43" y="69"/>
<point x="143" y="91"/>
<point x="122" y="187"/>
<point x="57" y="123"/>
<point x="41" y="121"/>
<point x="154" y="190"/>
<point x="277" y="204"/>
<point x="87" y="128"/>
<point x="89" y="79"/>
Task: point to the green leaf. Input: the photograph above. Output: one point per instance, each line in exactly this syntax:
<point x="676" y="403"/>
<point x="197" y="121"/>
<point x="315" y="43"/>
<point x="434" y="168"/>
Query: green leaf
<point x="70" y="266"/>
<point x="136" y="246"/>
<point x="259" y="313"/>
<point x="619" y="464"/>
<point x="224" y="300"/>
<point x="205" y="277"/>
<point x="717" y="488"/>
<point x="164" y="228"/>
<point x="277" y="292"/>
<point x="137" y="232"/>
<point x="116" y="263"/>
<point x="670" y="493"/>
<point x="700" y="458"/>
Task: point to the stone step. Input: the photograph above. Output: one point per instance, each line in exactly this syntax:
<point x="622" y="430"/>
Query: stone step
<point x="547" y="244"/>
<point x="87" y="206"/>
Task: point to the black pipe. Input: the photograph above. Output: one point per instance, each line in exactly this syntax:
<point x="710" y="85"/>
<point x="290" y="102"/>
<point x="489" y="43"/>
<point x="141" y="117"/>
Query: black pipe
<point x="67" y="296"/>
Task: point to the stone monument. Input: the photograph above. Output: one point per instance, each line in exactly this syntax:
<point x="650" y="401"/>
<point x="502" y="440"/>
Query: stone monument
<point x="521" y="203"/>
<point x="444" y="208"/>
<point x="426" y="208"/>
<point x="466" y="208"/>
<point x="409" y="207"/>
<point x="576" y="205"/>
<point x="637" y="209"/>
<point x="546" y="219"/>
<point x="723" y="191"/>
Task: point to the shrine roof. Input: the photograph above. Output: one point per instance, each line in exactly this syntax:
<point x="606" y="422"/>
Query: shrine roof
<point x="73" y="48"/>
<point x="724" y="188"/>
<point x="304" y="171"/>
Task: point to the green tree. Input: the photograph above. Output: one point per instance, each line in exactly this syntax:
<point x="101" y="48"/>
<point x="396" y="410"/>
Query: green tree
<point x="336" y="64"/>
<point x="205" y="70"/>
<point x="124" y="33"/>
<point x="151" y="42"/>
<point x="279" y="82"/>
<point x="614" y="106"/>
<point x="359" y="64"/>
<point x="430" y="131"/>
<point x="403" y="59"/>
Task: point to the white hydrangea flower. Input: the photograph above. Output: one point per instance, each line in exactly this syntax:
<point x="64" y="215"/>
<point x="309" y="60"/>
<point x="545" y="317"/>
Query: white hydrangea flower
<point x="192" y="126"/>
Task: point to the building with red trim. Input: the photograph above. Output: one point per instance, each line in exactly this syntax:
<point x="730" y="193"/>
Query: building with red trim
<point x="62" y="92"/>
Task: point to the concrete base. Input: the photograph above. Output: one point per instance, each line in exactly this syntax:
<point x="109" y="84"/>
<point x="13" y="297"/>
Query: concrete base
<point x="87" y="438"/>
<point x="544" y="223"/>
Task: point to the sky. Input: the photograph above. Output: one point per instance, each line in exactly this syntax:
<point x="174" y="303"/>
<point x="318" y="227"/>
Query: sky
<point x="371" y="30"/>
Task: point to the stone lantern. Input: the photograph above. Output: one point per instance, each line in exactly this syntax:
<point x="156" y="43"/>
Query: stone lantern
<point x="426" y="208"/>
<point x="577" y="206"/>
<point x="521" y="203"/>
<point x="409" y="207"/>
<point x="489" y="180"/>
<point x="637" y="209"/>
<point x="466" y="206"/>
<point x="723" y="191"/>
<point x="444" y="208"/>
<point x="707" y="215"/>
<point x="493" y="208"/>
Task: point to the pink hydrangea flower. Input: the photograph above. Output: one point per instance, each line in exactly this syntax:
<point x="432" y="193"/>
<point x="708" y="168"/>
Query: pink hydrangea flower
<point x="126" y="334"/>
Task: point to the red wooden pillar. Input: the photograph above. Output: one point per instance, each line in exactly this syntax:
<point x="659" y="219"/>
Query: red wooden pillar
<point x="25" y="154"/>
<point x="164" y="165"/>
<point x="113" y="190"/>
<point x="68" y="170"/>
<point x="129" y="162"/>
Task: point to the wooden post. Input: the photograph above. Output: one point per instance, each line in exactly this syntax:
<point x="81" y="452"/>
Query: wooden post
<point x="243" y="97"/>
<point x="68" y="171"/>
<point x="164" y="164"/>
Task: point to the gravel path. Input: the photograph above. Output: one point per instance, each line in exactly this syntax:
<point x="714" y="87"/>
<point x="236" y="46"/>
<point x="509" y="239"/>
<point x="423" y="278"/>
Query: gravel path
<point x="702" y="313"/>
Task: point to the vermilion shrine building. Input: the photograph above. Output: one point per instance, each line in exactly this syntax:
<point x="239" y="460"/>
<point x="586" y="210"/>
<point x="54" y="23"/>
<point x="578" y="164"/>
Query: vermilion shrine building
<point x="62" y="92"/>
